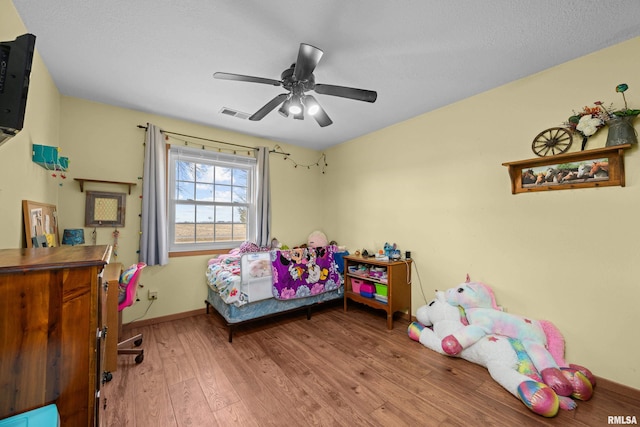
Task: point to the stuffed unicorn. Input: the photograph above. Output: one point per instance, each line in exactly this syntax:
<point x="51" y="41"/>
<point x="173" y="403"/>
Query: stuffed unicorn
<point x="504" y="357"/>
<point x="484" y="317"/>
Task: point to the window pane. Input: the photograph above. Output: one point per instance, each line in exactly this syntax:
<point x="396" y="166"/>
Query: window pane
<point x="223" y="193"/>
<point x="240" y="177"/>
<point x="185" y="233"/>
<point x="204" y="173"/>
<point x="204" y="233"/>
<point x="223" y="232"/>
<point x="184" y="190"/>
<point x="223" y="213"/>
<point x="239" y="194"/>
<point x="185" y="171"/>
<point x="240" y="214"/>
<point x="205" y="214"/>
<point x="223" y="175"/>
<point x="204" y="192"/>
<point x="239" y="232"/>
<point x="185" y="213"/>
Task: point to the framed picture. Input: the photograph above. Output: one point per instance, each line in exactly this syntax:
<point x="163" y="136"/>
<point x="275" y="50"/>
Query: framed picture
<point x="40" y="224"/>
<point x="104" y="209"/>
<point x="601" y="167"/>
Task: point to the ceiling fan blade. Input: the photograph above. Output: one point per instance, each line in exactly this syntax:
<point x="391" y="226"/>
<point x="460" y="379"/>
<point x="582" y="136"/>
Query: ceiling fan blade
<point x="268" y="107"/>
<point x="242" y="78"/>
<point x="347" y="92"/>
<point x="308" y="58"/>
<point x="321" y="116"/>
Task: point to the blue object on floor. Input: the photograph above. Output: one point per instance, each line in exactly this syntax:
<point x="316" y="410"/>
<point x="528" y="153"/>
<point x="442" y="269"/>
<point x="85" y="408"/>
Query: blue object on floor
<point x="47" y="416"/>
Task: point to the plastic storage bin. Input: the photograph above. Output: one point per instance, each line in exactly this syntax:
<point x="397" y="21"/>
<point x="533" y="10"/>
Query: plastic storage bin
<point x="355" y="285"/>
<point x="381" y="289"/>
<point x="47" y="416"/>
<point x="367" y="290"/>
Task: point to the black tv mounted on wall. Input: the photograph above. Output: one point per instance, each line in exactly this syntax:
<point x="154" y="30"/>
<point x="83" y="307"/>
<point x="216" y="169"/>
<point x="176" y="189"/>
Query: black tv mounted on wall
<point x="15" y="68"/>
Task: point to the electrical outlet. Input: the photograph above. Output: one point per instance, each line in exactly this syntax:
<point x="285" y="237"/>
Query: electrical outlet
<point x="153" y="294"/>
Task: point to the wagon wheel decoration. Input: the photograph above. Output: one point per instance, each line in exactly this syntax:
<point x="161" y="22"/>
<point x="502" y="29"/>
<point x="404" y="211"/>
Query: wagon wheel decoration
<point x="552" y="141"/>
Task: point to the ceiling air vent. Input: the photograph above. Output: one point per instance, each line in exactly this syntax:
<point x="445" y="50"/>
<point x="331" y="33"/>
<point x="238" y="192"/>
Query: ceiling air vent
<point x="234" y="113"/>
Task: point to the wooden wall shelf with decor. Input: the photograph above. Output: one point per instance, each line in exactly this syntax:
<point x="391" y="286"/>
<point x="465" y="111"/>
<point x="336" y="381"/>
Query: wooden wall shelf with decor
<point x="81" y="181"/>
<point x="601" y="167"/>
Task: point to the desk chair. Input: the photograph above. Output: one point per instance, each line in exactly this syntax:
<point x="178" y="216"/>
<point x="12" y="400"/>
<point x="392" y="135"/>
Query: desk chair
<point x="128" y="285"/>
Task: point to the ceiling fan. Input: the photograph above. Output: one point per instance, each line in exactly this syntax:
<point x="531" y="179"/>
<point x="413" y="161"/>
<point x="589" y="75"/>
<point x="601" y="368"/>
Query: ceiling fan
<point x="298" y="80"/>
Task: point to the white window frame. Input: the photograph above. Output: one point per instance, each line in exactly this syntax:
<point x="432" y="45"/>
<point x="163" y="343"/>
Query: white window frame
<point x="212" y="158"/>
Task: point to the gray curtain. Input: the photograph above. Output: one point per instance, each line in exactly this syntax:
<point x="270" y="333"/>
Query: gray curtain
<point x="153" y="240"/>
<point x="263" y="205"/>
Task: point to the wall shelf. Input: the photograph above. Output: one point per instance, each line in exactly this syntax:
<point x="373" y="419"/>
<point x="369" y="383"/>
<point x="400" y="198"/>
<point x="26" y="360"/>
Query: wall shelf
<point x="612" y="158"/>
<point x="81" y="181"/>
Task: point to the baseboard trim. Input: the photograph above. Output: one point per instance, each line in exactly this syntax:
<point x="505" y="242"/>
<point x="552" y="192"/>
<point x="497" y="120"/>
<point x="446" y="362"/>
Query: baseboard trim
<point x="161" y="319"/>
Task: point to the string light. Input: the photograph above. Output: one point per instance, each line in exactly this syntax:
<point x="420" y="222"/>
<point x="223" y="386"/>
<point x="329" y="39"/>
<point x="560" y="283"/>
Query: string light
<point x="321" y="162"/>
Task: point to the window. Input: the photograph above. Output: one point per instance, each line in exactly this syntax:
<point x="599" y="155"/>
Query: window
<point x="211" y="199"/>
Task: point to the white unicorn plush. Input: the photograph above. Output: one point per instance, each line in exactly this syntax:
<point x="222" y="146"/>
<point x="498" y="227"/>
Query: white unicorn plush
<point x="505" y="358"/>
<point x="538" y="337"/>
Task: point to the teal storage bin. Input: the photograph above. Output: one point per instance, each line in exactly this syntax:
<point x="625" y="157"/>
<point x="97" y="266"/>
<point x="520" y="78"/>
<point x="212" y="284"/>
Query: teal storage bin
<point x="47" y="416"/>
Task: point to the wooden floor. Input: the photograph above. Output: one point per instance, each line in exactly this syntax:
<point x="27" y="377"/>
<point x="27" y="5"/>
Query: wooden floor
<point x="337" y="369"/>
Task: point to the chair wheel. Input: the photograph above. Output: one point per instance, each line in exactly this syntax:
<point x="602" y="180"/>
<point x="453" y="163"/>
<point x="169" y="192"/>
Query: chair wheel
<point x="137" y="343"/>
<point x="139" y="358"/>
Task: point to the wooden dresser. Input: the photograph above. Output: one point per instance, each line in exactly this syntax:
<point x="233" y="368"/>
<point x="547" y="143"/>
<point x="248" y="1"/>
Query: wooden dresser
<point x="52" y="328"/>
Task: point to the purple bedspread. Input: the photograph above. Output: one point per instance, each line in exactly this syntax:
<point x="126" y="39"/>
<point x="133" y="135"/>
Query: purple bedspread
<point x="302" y="272"/>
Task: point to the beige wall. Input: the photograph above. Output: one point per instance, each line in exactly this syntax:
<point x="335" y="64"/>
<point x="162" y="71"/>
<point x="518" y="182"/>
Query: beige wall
<point x="20" y="178"/>
<point x="436" y="186"/>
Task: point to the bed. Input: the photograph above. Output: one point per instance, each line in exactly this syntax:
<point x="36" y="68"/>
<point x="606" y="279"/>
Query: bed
<point x="249" y="285"/>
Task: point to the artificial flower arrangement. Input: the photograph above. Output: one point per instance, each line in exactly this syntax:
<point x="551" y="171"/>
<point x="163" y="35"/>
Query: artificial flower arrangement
<point x="622" y="88"/>
<point x="591" y="119"/>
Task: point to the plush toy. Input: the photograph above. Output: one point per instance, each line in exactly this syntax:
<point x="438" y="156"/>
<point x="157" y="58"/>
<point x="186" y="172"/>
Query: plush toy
<point x="317" y="239"/>
<point x="484" y="318"/>
<point x="507" y="364"/>
<point x="275" y="244"/>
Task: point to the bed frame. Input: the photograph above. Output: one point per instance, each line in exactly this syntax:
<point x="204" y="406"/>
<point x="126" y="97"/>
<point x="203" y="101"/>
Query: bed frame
<point x="235" y="316"/>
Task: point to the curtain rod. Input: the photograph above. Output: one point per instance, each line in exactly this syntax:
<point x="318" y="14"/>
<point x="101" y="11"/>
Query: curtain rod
<point x="213" y="140"/>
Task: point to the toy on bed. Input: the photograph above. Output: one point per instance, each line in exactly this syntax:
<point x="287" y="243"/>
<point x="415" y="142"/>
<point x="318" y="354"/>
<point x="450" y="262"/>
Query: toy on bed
<point x="540" y="339"/>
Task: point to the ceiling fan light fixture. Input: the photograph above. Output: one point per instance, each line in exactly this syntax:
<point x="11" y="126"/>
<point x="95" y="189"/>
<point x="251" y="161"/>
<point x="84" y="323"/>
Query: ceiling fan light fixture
<point x="312" y="106"/>
<point x="284" y="109"/>
<point x="297" y="80"/>
<point x="295" y="106"/>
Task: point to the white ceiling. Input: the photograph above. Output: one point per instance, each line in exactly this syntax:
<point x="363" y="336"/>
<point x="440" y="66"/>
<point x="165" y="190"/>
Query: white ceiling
<point x="159" y="56"/>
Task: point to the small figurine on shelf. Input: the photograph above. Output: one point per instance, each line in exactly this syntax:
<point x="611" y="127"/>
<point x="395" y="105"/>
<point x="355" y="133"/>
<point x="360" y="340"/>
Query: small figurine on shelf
<point x="392" y="251"/>
<point x="381" y="255"/>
